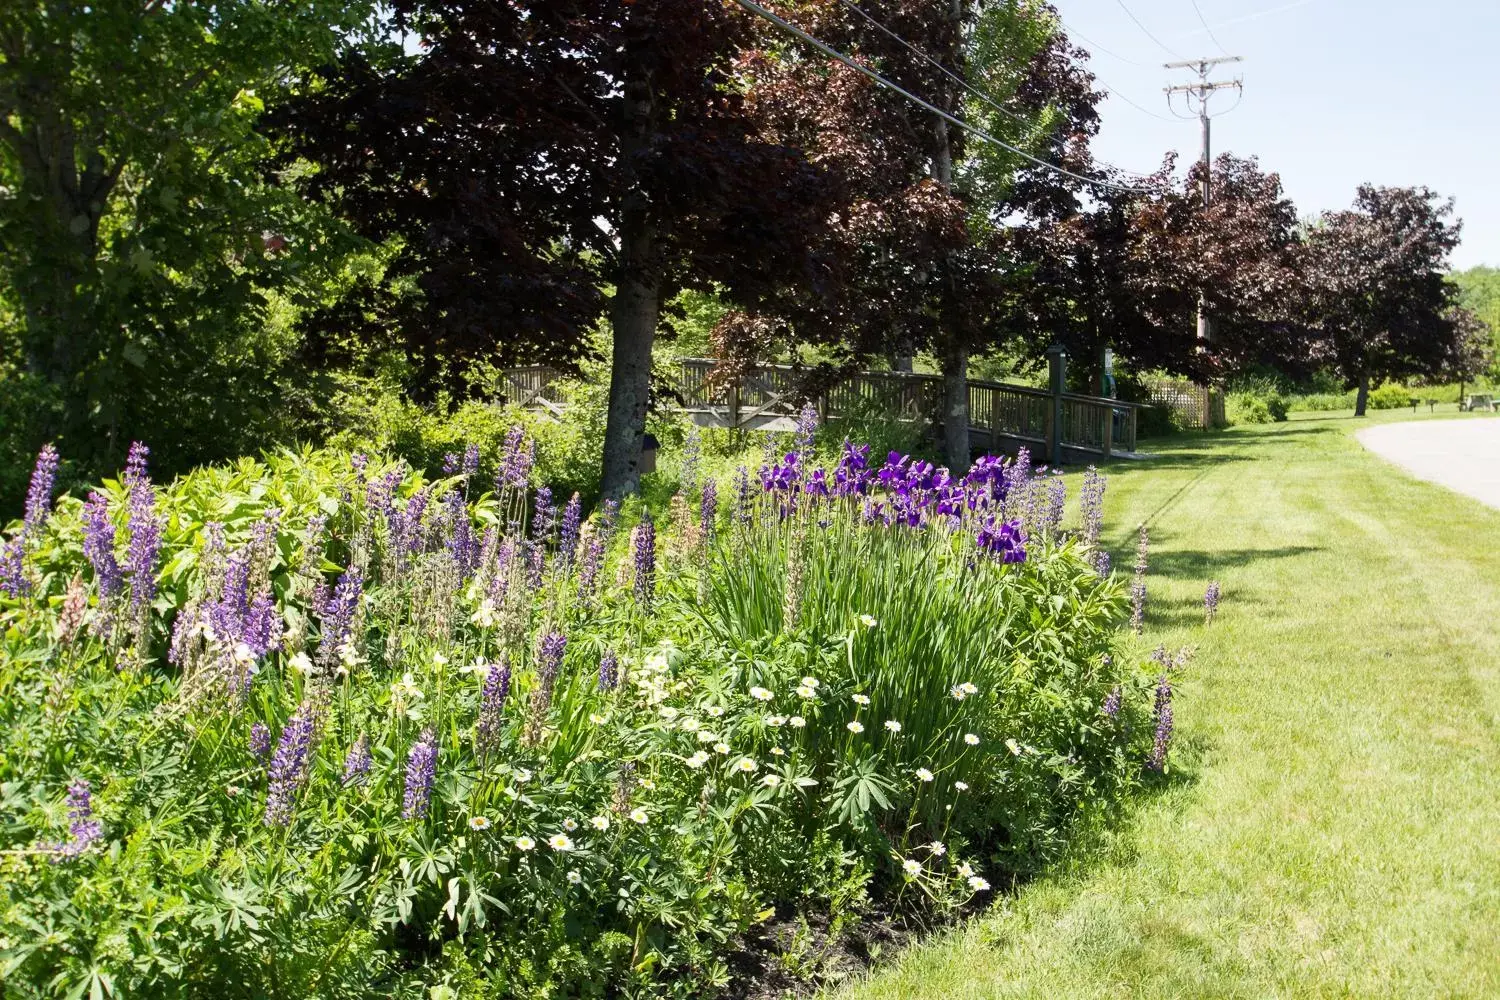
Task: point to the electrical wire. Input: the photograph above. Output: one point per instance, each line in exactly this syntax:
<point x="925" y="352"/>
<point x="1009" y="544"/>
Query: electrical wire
<point x="1204" y="21"/>
<point x="1167" y="48"/>
<point x="830" y="51"/>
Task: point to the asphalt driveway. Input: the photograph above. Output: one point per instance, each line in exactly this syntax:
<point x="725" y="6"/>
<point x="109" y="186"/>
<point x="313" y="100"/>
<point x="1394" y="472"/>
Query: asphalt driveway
<point x="1463" y="455"/>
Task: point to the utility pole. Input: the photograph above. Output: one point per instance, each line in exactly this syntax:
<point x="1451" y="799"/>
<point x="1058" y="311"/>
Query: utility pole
<point x="1201" y="92"/>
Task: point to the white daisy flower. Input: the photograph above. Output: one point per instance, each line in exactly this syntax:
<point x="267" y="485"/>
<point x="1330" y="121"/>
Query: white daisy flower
<point x="893" y="725"/>
<point x="777" y="752"/>
<point x="689" y="725"/>
<point x="439" y="660"/>
<point x="969" y="688"/>
<point x="965" y="870"/>
<point x="668" y="712"/>
<point x="861" y="699"/>
<point x="804" y="691"/>
<point x="524" y="843"/>
<point x="745" y="765"/>
<point x="648" y="784"/>
<point x="868" y="621"/>
<point x="962" y="786"/>
<point x="937" y="848"/>
<point x="479" y="823"/>
<point x="574" y="878"/>
<point x="958" y="692"/>
<point x="971" y="739"/>
<point x="599" y="822"/>
<point x="638" y="815"/>
<point x="560" y="842"/>
<point x="522" y="775"/>
<point x="811" y="682"/>
<point x="912" y="866"/>
<point x="978" y="884"/>
<point x="761" y="694"/>
<point x="721" y="748"/>
<point x="597" y="719"/>
<point x="570" y="824"/>
<point x="697" y="760"/>
<point x="855" y="727"/>
<point x="796" y="722"/>
<point x="923" y="774"/>
<point x="713" y="711"/>
<point x="771" y="780"/>
<point x="775" y="720"/>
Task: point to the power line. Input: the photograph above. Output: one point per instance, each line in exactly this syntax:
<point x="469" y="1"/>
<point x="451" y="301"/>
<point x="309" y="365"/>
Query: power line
<point x="1204" y="21"/>
<point x="1165" y="47"/>
<point x="976" y="91"/>
<point x="828" y="50"/>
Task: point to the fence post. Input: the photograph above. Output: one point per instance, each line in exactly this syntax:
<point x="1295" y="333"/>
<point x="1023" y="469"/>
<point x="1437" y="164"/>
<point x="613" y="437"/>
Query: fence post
<point x="1109" y="431"/>
<point x="1057" y="368"/>
<point x="734" y="405"/>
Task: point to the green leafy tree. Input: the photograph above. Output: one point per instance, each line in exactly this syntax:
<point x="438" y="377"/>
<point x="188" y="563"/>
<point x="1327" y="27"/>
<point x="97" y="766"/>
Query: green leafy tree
<point x="140" y="239"/>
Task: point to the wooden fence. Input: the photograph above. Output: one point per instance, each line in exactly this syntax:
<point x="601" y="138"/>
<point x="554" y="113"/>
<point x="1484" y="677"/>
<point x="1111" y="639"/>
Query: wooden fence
<point x="770" y="397"/>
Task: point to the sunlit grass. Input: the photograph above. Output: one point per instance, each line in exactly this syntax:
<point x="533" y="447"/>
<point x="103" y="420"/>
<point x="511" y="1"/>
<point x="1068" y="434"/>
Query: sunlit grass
<point x="1334" y="830"/>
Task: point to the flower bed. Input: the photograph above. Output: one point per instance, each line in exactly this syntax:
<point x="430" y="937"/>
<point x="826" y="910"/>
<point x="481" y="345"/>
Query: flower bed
<point x="315" y="726"/>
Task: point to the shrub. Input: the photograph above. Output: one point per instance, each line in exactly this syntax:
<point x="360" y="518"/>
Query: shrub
<point x="317" y="726"/>
<point x="1260" y="407"/>
<point x="1390" y="396"/>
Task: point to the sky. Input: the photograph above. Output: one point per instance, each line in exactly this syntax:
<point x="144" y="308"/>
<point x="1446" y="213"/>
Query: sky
<point x="1337" y="93"/>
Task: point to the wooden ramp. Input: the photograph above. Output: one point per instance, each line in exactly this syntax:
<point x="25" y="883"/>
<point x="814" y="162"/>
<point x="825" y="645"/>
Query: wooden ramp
<point x="1002" y="416"/>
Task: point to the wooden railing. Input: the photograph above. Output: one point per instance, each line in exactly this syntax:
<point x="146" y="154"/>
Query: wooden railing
<point x="769" y="397"/>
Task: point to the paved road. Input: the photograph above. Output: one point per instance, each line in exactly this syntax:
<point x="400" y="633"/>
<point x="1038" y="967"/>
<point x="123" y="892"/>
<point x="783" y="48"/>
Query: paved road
<point x="1463" y="455"/>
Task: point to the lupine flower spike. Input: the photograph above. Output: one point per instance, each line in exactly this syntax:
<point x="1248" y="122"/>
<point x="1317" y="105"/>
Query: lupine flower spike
<point x="1211" y="602"/>
<point x="1138" y="585"/>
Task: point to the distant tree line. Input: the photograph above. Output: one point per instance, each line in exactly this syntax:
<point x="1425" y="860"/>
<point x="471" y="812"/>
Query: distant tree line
<point x="213" y="216"/>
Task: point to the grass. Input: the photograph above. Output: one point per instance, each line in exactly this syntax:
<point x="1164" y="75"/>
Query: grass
<point x="1333" y="829"/>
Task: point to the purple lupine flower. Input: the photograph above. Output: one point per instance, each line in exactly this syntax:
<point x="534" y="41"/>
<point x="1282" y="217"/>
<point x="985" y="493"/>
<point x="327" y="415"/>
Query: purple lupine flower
<point x="1163" y="737"/>
<point x="643" y="545"/>
<point x="462" y="544"/>
<point x="548" y="661"/>
<point x="83" y="829"/>
<point x="421" y="775"/>
<point x="744" y="497"/>
<point x="450" y="463"/>
<point x="260" y="741"/>
<point x="535" y="557"/>
<point x="515" y="461"/>
<point x="1112" y="702"/>
<point x="1005" y="539"/>
<point x="1138" y="585"/>
<point x="691" y="450"/>
<point x="145" y="545"/>
<point x="470" y="466"/>
<point x="807" y="426"/>
<point x="99" y="546"/>
<point x="338" y="614"/>
<point x="491" y="705"/>
<point x="359" y="461"/>
<point x="544" y="519"/>
<point x="567" y="539"/>
<point x="593" y="552"/>
<point x="288" y="768"/>
<point x="1101" y="562"/>
<point x="39" y="495"/>
<point x="1211" y="602"/>
<point x="13" y="579"/>
<point x="1091" y="506"/>
<point x="357" y="763"/>
<point x="609" y="668"/>
<point x="1057" y="499"/>
<point x="135" y="464"/>
<point x="708" y="510"/>
<point x="262" y="630"/>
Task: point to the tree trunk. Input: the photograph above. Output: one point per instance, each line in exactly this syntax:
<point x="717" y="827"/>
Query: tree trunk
<point x="633" y="313"/>
<point x="956" y="407"/>
<point x="1363" y="397"/>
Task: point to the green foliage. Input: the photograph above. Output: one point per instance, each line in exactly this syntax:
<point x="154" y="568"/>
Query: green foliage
<point x="590" y="839"/>
<point x="1392" y="396"/>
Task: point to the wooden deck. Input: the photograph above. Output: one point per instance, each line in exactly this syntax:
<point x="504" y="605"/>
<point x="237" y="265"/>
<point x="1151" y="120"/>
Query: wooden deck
<point x="1002" y="416"/>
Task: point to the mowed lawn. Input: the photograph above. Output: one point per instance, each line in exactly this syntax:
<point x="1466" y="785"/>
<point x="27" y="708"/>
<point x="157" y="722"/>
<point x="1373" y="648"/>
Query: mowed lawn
<point x="1334" y="826"/>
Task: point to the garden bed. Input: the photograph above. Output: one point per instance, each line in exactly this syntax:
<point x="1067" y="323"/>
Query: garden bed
<point x="317" y="726"/>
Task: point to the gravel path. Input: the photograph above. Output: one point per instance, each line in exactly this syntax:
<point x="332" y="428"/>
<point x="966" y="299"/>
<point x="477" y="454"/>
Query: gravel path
<point x="1463" y="455"/>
